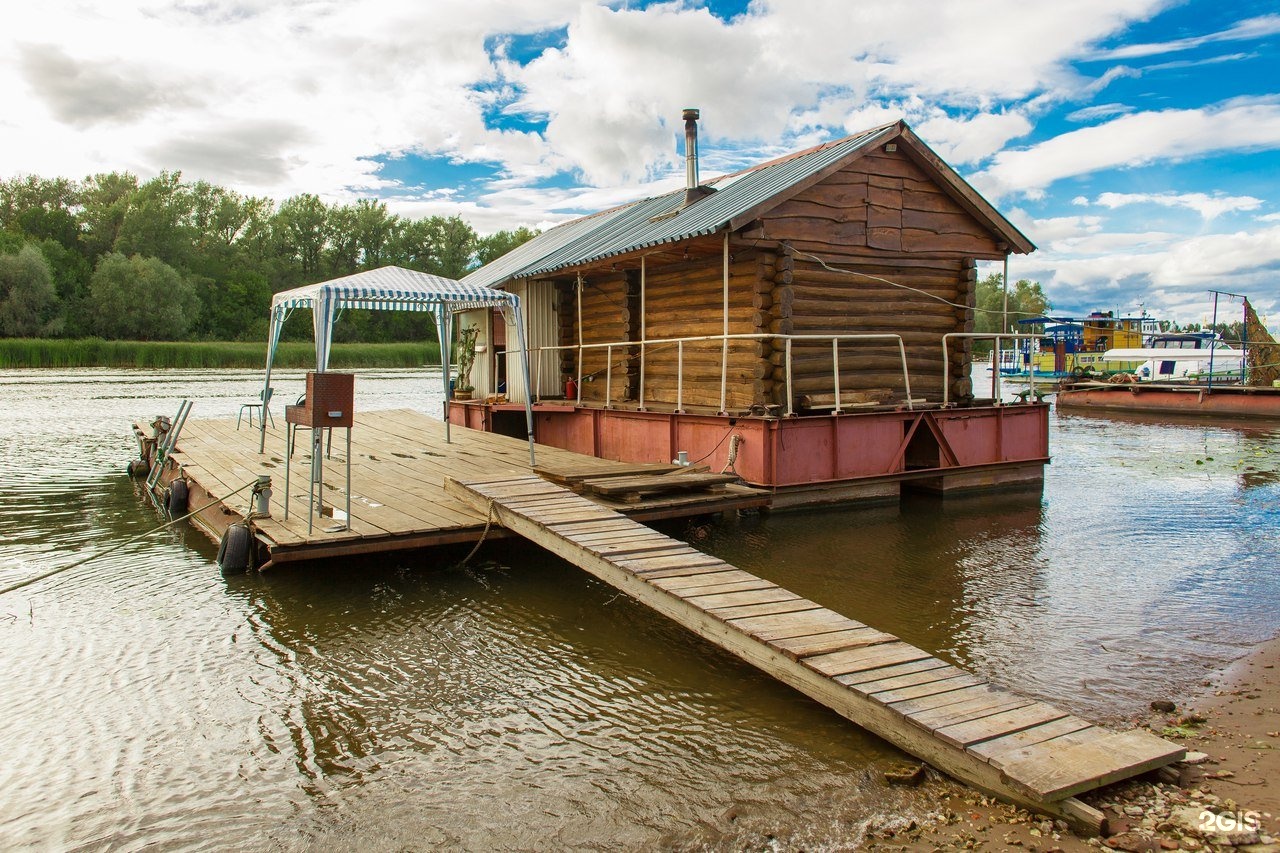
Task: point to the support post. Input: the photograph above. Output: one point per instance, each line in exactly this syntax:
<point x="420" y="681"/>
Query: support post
<point x="724" y="340"/>
<point x="644" y="333"/>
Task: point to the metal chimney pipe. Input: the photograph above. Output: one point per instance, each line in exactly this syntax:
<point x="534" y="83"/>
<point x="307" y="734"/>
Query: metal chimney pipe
<point x="691" y="116"/>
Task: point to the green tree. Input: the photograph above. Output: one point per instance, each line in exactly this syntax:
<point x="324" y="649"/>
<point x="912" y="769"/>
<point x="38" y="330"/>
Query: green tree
<point x="39" y="208"/>
<point x="454" y="246"/>
<point x="342" y="252"/>
<point x="158" y="222"/>
<point x="499" y="243"/>
<point x="70" y="273"/>
<point x="27" y="297"/>
<point x="412" y="245"/>
<point x="140" y="298"/>
<point x="300" y="226"/>
<point x="1026" y="299"/>
<point x="236" y="307"/>
<point x="373" y="228"/>
<point x="105" y="200"/>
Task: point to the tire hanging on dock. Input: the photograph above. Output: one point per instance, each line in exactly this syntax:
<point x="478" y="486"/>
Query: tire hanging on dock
<point x="235" y="550"/>
<point x="176" y="503"/>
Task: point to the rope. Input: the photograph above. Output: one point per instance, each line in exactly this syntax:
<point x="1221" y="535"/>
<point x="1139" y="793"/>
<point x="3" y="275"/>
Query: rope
<point x="734" y="443"/>
<point x="105" y="551"/>
<point x="883" y="280"/>
<point x="488" y="522"/>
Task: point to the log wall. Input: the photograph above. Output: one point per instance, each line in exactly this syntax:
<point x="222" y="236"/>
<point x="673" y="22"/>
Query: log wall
<point x="605" y="319"/>
<point x="877" y="247"/>
<point x="852" y="299"/>
<point x="882" y="202"/>
<point x="686" y="300"/>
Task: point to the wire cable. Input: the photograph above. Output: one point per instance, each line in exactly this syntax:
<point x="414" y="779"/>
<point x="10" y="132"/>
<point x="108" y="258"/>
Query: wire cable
<point x="105" y="551"/>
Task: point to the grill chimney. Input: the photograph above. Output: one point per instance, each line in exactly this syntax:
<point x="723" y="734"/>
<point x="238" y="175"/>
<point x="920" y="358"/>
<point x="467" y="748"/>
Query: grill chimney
<point x="691" y="116"/>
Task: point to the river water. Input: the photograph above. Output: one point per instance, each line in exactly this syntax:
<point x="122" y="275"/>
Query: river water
<point x="517" y="703"/>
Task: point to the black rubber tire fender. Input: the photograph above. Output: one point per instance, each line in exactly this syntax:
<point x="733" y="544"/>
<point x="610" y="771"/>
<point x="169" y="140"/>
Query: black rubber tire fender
<point x="235" y="550"/>
<point x="177" y="501"/>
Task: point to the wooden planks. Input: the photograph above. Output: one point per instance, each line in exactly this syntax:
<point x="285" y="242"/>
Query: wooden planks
<point x="1054" y="769"/>
<point x="991" y="737"/>
<point x="399" y="464"/>
<point x="632" y="489"/>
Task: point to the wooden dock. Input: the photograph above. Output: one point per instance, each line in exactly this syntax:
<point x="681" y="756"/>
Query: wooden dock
<point x="1020" y="749"/>
<point x="400" y="461"/>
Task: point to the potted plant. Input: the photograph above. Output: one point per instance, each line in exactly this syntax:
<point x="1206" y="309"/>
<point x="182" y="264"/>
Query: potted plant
<point x="466" y="357"/>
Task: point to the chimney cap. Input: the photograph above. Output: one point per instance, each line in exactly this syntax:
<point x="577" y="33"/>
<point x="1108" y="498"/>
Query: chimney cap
<point x="691" y="113"/>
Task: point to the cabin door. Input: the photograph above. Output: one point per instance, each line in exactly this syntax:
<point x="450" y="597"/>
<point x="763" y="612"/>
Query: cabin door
<point x="1059" y="356"/>
<point x="498" y="337"/>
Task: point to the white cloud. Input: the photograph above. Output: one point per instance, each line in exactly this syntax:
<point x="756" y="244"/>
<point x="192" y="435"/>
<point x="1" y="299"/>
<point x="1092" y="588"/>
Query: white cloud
<point x="1208" y="206"/>
<point x="1170" y="274"/>
<point x="971" y="140"/>
<point x="1133" y="140"/>
<point x="1099" y="111"/>
<point x="1251" y="28"/>
<point x="196" y="88"/>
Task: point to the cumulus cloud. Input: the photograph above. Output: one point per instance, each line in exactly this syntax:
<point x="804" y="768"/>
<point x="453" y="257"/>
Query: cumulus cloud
<point x="567" y="106"/>
<point x="1133" y="140"/>
<point x="88" y="93"/>
<point x="240" y="153"/>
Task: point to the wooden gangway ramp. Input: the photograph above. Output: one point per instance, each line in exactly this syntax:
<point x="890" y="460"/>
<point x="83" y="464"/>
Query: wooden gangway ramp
<point x="1012" y="746"/>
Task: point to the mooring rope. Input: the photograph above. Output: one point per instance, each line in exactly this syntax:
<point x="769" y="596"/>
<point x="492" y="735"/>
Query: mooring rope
<point x="488" y="523"/>
<point x="105" y="551"/>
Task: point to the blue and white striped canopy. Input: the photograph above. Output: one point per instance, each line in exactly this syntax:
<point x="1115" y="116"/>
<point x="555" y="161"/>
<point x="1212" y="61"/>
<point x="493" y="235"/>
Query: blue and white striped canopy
<point x="393" y="289"/>
<point x="383" y="289"/>
<point x="390" y="289"/>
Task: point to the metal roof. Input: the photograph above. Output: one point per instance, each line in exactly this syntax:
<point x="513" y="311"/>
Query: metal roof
<point x="663" y="220"/>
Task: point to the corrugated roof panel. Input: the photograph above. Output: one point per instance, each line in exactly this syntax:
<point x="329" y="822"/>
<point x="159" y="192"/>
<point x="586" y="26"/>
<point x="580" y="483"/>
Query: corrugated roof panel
<point x="527" y="254"/>
<point x="634" y="227"/>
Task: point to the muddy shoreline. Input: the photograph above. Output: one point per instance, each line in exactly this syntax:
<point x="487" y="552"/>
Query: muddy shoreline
<point x="1228" y="800"/>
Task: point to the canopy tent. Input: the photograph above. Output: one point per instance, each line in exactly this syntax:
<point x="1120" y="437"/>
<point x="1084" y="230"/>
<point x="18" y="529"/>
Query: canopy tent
<point x="391" y="289"/>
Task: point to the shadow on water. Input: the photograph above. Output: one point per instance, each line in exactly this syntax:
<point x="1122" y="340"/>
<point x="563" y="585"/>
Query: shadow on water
<point x="535" y="699"/>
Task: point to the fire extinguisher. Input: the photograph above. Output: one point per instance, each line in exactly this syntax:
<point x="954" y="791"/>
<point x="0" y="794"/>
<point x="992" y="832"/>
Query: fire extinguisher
<point x="570" y="389"/>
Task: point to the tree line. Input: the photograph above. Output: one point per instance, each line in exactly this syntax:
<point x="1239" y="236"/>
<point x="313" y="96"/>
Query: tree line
<point x="1027" y="299"/>
<point x="167" y="259"/>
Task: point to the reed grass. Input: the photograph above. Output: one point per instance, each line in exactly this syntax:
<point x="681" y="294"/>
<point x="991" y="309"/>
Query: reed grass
<point x="160" y="355"/>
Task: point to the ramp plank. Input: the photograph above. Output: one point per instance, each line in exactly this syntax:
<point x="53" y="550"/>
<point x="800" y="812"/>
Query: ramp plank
<point x="1053" y="772"/>
<point x="994" y="738"/>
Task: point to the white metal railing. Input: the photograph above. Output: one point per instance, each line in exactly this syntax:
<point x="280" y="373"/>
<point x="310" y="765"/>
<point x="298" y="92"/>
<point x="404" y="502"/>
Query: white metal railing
<point x="724" y="340"/>
<point x="995" y="360"/>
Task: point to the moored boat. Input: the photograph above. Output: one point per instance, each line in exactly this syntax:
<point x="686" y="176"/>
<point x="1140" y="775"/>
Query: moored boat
<point x="1076" y="347"/>
<point x="1183" y="356"/>
<point x="1190" y="374"/>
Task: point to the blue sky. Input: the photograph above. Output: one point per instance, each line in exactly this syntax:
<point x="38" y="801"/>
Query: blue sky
<point x="1136" y="142"/>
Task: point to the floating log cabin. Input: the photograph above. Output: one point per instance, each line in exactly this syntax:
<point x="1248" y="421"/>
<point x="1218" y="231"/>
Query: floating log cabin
<point x="807" y="323"/>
